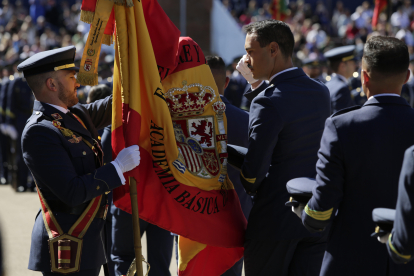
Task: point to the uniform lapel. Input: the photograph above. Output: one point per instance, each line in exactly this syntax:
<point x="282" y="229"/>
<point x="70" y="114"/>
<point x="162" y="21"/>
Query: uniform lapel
<point x="66" y="120"/>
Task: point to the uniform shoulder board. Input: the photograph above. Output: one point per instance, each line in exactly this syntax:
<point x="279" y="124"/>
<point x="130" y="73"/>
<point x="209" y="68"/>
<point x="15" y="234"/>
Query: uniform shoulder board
<point x="345" y="110"/>
<point x="35" y="117"/>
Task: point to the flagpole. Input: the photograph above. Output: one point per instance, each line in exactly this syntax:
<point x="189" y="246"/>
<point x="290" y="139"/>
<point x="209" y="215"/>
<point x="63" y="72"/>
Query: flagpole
<point x="135" y="225"/>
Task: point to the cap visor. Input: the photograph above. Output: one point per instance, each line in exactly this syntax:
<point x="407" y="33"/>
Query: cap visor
<point x="72" y="68"/>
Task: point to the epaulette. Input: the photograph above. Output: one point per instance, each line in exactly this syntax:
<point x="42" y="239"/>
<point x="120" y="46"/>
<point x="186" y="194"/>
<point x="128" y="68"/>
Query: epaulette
<point x="345" y="110"/>
<point x="35" y="117"/>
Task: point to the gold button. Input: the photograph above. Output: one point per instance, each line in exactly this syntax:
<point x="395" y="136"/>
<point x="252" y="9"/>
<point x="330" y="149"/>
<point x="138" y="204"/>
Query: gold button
<point x="97" y="187"/>
<point x="84" y="153"/>
<point x="37" y="112"/>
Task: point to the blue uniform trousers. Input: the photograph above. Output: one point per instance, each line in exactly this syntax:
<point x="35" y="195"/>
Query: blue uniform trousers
<point x="159" y="244"/>
<point x="304" y="256"/>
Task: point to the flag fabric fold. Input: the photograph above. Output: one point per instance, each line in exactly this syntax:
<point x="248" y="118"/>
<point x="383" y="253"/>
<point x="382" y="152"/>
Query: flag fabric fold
<point x="180" y="126"/>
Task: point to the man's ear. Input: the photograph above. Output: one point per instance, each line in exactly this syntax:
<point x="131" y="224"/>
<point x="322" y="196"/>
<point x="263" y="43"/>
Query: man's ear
<point x="227" y="82"/>
<point x="365" y="78"/>
<point x="51" y="84"/>
<point x="274" y="48"/>
<point x="408" y="76"/>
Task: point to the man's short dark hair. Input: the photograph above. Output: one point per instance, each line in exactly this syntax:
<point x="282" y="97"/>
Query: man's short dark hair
<point x="99" y="92"/>
<point x="386" y="55"/>
<point x="216" y="63"/>
<point x="36" y="82"/>
<point x="217" y="67"/>
<point x="271" y="30"/>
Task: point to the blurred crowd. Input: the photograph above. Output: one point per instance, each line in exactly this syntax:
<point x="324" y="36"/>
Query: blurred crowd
<point x="31" y="26"/>
<point x="316" y="30"/>
<point x="315" y="27"/>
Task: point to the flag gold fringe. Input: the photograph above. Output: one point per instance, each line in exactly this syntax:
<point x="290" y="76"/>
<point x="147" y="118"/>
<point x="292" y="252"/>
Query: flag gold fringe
<point x="107" y="39"/>
<point x="87" y="79"/>
<point x="87" y="16"/>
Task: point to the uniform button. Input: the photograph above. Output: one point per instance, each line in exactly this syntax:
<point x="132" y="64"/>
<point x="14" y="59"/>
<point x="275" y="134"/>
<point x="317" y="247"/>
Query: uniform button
<point x="37" y="112"/>
<point x="84" y="153"/>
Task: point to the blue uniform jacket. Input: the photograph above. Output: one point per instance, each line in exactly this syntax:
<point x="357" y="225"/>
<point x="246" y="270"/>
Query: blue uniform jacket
<point x="340" y="94"/>
<point x="285" y="127"/>
<point x="3" y="99"/>
<point x="401" y="244"/>
<point x="19" y="103"/>
<point x="237" y="134"/>
<point x="235" y="89"/>
<point x="360" y="158"/>
<point x="66" y="172"/>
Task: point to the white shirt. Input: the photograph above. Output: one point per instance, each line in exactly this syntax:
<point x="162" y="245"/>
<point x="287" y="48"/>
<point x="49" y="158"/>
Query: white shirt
<point x="385" y="94"/>
<point x="61" y="109"/>
<point x="275" y="75"/>
<point x="118" y="169"/>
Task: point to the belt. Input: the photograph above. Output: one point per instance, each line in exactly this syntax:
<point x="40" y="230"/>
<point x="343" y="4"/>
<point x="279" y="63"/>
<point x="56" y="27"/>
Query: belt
<point x="58" y="206"/>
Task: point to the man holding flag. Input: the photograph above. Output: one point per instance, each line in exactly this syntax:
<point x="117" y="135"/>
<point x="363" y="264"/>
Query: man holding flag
<point x="62" y="150"/>
<point x="180" y="126"/>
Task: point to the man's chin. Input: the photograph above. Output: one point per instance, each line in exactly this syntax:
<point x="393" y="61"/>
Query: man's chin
<point x="74" y="102"/>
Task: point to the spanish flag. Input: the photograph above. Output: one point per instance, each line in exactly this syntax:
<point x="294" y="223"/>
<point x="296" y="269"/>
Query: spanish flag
<point x="180" y="126"/>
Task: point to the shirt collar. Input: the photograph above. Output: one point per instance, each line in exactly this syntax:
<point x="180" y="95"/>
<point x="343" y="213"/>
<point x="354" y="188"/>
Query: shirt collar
<point x="286" y="70"/>
<point x="61" y="109"/>
<point x="385" y="94"/>
<point x="341" y="77"/>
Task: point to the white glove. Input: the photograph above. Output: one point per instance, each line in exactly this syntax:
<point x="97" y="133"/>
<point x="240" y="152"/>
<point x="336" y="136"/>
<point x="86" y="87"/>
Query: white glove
<point x="128" y="158"/>
<point x="298" y="210"/>
<point x="245" y="71"/>
<point x="3" y="129"/>
<point x="12" y="132"/>
<point x="384" y="239"/>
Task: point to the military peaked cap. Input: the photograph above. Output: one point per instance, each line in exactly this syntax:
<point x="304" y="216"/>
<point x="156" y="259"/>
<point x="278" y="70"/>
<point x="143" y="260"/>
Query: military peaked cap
<point x="313" y="62"/>
<point x="300" y="190"/>
<point x="49" y="61"/>
<point x="384" y="219"/>
<point x="343" y="53"/>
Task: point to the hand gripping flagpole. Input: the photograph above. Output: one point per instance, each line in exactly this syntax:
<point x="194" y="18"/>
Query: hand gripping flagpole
<point x="135" y="225"/>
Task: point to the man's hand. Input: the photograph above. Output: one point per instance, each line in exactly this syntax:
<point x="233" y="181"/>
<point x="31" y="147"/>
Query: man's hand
<point x="128" y="158"/>
<point x="384" y="239"/>
<point x="245" y="70"/>
<point x="298" y="210"/>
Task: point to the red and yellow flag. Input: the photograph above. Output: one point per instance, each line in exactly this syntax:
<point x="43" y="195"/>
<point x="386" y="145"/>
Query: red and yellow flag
<point x="380" y="6"/>
<point x="180" y="126"/>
